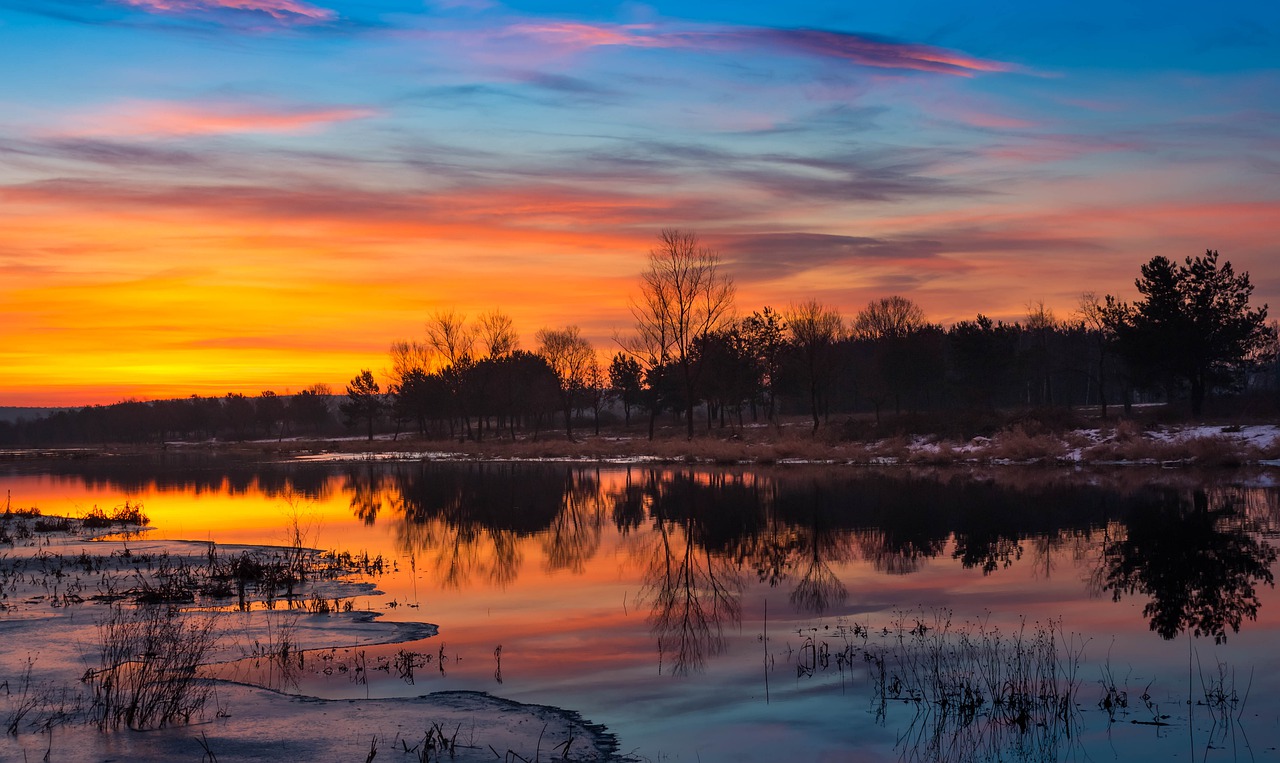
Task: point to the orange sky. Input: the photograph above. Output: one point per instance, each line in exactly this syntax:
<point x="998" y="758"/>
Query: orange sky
<point x="264" y="195"/>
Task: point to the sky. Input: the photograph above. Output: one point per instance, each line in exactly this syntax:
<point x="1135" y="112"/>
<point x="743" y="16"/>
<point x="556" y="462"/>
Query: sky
<point x="212" y="196"/>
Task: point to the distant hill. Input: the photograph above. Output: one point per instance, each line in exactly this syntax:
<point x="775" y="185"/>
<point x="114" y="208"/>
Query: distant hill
<point x="13" y="413"/>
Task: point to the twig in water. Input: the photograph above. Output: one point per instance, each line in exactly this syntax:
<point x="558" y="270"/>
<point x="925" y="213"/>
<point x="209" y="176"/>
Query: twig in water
<point x="208" y="751"/>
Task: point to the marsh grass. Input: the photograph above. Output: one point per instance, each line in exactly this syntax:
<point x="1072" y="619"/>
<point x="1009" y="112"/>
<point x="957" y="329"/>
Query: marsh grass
<point x="1115" y="695"/>
<point x="977" y="691"/>
<point x="149" y="656"/>
<point x="434" y="745"/>
<point x="1224" y="702"/>
<point x="37" y="705"/>
<point x="127" y="514"/>
<point x="1022" y="678"/>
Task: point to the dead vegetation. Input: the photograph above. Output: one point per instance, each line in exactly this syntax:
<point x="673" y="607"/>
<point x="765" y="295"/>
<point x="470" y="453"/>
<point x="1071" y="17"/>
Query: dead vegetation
<point x="149" y="657"/>
<point x="1027" y="441"/>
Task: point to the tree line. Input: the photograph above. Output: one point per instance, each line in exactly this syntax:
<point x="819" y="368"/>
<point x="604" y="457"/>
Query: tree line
<point x="692" y="358"/>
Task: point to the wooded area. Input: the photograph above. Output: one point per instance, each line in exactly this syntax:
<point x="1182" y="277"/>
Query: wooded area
<point x="1191" y="336"/>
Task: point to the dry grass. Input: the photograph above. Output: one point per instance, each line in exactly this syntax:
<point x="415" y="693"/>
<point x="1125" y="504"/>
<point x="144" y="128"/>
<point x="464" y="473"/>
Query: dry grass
<point x="149" y="657"/>
<point x="1017" y="444"/>
<point x="1045" y="436"/>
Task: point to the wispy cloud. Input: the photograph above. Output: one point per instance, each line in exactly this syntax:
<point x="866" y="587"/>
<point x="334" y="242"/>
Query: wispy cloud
<point x="281" y="10"/>
<point x="874" y="51"/>
<point x="861" y="49"/>
<point x="169" y="119"/>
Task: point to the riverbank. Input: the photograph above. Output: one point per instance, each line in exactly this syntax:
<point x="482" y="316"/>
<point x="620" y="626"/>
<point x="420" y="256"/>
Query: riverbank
<point x="1126" y="442"/>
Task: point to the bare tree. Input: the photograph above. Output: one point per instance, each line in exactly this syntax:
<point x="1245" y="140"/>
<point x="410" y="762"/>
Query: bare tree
<point x="683" y="297"/>
<point x="449" y="335"/>
<point x="815" y="330"/>
<point x="897" y="361"/>
<point x="888" y="318"/>
<point x="1042" y="324"/>
<point x="574" y="362"/>
<point x="408" y="356"/>
<point x="498" y="334"/>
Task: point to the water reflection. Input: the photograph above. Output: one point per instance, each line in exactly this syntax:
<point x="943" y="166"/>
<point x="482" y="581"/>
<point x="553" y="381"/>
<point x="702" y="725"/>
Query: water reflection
<point x="1198" y="559"/>
<point x="692" y="585"/>
<point x="701" y="536"/>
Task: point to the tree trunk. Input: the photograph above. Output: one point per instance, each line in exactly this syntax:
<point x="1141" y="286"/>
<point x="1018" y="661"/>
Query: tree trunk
<point x="1197" y="396"/>
<point x="813" y="406"/>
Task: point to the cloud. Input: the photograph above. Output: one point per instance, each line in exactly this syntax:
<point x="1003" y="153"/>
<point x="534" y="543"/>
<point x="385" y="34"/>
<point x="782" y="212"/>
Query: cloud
<point x="105" y="152"/>
<point x="861" y="49"/>
<point x="280" y="10"/>
<point x="770" y="256"/>
<point x="166" y="119"/>
<point x="873" y="51"/>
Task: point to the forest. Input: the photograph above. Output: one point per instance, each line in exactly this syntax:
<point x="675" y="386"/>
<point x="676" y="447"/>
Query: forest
<point x="695" y="361"/>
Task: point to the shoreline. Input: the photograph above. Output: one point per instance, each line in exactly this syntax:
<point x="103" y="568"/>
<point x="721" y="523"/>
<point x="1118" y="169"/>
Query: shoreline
<point x="1123" y="444"/>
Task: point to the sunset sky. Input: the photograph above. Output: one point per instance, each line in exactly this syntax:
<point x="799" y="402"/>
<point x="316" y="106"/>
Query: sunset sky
<point x="207" y="196"/>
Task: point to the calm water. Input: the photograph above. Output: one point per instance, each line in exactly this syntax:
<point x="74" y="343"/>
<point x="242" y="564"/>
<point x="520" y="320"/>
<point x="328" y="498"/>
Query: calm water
<point x="719" y="614"/>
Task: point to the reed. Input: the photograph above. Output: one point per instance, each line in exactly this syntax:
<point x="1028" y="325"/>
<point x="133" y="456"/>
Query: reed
<point x="147" y="677"/>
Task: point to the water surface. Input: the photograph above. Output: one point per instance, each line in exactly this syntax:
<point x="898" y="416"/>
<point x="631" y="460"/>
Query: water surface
<point x="698" y="613"/>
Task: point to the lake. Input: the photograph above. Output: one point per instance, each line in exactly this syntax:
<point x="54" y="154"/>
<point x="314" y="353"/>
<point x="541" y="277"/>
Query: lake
<point x="797" y="613"/>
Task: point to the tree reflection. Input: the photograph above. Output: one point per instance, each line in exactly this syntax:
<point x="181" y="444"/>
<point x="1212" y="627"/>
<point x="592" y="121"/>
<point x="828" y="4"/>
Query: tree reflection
<point x="693" y="590"/>
<point x="1198" y="563"/>
<point x="574" y="534"/>
<point x="467" y="521"/>
<point x="821" y="542"/>
<point x="365" y="486"/>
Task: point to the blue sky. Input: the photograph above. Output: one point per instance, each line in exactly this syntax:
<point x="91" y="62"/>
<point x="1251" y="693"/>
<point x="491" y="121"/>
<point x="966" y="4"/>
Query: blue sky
<point x="207" y="195"/>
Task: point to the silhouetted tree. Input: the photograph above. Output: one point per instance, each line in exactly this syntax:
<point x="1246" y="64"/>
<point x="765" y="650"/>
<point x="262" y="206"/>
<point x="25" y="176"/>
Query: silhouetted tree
<point x="419" y="397"/>
<point x="237" y="410"/>
<point x="683" y="296"/>
<point x="893" y="316"/>
<point x="573" y="361"/>
<point x="309" y="408"/>
<point x="450" y="336"/>
<point x="625" y="381"/>
<point x="983" y="359"/>
<point x="408" y="356"/>
<point x="364" y="400"/>
<point x="498" y="334"/>
<point x="528" y="387"/>
<point x="1100" y="331"/>
<point x="899" y="356"/>
<point x="815" y="330"/>
<point x="269" y="410"/>
<point x="1193" y="324"/>
<point x="726" y="371"/>
<point x="764" y="339"/>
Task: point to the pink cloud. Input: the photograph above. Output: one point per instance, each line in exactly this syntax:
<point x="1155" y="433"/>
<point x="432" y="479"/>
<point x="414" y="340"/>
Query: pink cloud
<point x="284" y="10"/>
<point x="173" y="119"/>
<point x="863" y="50"/>
<point x="580" y="36"/>
<point x="874" y="51"/>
